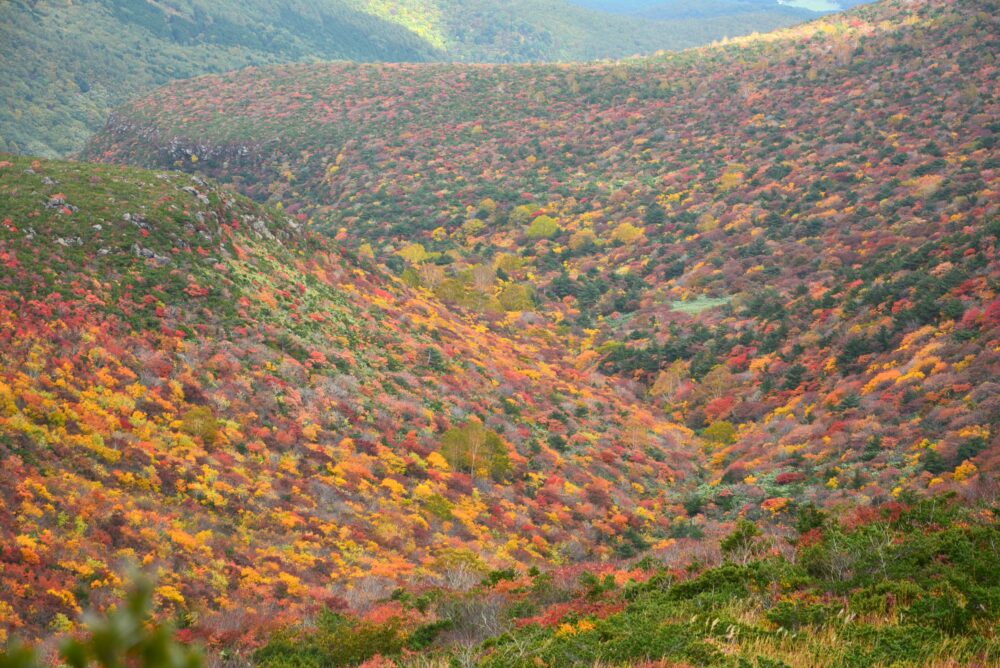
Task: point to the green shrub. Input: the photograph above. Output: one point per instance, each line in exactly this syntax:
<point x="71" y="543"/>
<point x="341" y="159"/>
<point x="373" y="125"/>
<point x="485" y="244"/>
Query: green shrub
<point x="542" y="227"/>
<point x="337" y="641"/>
<point x="126" y="637"/>
<point x="425" y="635"/>
<point x="884" y="597"/>
<point x="793" y="616"/>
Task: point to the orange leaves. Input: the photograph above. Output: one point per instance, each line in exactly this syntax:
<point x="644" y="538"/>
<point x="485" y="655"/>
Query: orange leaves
<point x="196" y="291"/>
<point x="29" y="549"/>
<point x="880" y="379"/>
<point x="776" y="505"/>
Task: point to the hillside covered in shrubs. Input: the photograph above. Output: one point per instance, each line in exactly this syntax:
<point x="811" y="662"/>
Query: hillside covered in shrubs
<point x="788" y="244"/>
<point x="201" y="387"/>
<point x="680" y="360"/>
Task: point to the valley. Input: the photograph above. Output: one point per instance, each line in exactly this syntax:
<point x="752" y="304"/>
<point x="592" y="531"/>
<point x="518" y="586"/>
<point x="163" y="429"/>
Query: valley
<point x="679" y="359"/>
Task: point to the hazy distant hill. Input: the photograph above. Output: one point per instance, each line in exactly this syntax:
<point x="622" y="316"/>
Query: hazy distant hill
<point x="64" y="64"/>
<point x="674" y="9"/>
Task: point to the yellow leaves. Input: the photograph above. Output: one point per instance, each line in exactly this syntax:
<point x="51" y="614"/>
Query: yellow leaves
<point x="925" y="185"/>
<point x="392" y="462"/>
<point x="566" y="630"/>
<point x="975" y="431"/>
<point x="66" y="598"/>
<point x="289" y="463"/>
<point x="414" y="253"/>
<point x="293" y="584"/>
<point x="760" y="364"/>
<point x="731" y="178"/>
<point x="36" y="489"/>
<point x="582" y="626"/>
<point x="29" y="549"/>
<point x="532" y="374"/>
<point x="830" y="367"/>
<point x="8" y="619"/>
<point x="914" y="337"/>
<point x="394" y="487"/>
<point x="776" y="505"/>
<point x="833" y="483"/>
<point x="170" y="594"/>
<point x="627" y="233"/>
<point x="196" y="544"/>
<point x="468" y="510"/>
<point x="436" y="460"/>
<point x="912" y="375"/>
<point x="965" y="470"/>
<point x="95" y="443"/>
<point x="250" y="577"/>
<point x="582" y="239"/>
<point x="7" y="404"/>
<point x="879" y="379"/>
<point x="750" y="480"/>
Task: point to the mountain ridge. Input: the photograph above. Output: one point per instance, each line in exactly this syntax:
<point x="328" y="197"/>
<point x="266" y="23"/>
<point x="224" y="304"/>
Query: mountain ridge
<point x="56" y="101"/>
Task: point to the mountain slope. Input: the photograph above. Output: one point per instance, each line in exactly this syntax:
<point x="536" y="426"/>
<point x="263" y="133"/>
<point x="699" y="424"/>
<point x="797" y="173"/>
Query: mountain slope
<point x="56" y="97"/>
<point x="750" y="10"/>
<point x="775" y="239"/>
<point x="198" y="385"/>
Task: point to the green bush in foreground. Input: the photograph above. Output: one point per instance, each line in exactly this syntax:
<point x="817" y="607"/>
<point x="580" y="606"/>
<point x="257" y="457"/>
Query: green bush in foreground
<point x="126" y="637"/>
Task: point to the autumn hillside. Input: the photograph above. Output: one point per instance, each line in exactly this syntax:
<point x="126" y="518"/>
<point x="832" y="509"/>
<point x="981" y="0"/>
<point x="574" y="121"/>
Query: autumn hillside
<point x="63" y="61"/>
<point x="787" y="242"/>
<point x="196" y="384"/>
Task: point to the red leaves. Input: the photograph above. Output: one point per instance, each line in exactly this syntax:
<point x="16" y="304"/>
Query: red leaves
<point x="194" y="290"/>
<point x="789" y="477"/>
<point x="9" y="259"/>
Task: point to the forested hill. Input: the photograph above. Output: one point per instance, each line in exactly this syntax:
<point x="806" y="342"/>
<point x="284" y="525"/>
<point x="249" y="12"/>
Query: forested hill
<point x="203" y="386"/>
<point x="452" y="348"/>
<point x="64" y="63"/>
<point x="789" y="243"/>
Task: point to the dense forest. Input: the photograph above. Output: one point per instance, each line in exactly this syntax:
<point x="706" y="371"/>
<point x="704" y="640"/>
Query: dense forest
<point x="683" y="359"/>
<point x="63" y="61"/>
<point x="768" y="240"/>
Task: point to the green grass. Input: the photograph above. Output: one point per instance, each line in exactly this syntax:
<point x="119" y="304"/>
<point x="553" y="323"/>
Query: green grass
<point x="699" y="304"/>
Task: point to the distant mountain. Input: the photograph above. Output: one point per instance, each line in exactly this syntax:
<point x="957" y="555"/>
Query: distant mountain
<point x="65" y="64"/>
<point x="674" y="9"/>
<point x="756" y="10"/>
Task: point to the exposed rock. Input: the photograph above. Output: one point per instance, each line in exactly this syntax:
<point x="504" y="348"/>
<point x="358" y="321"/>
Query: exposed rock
<point x="149" y="254"/>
